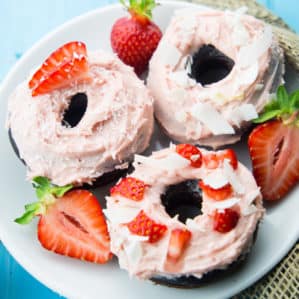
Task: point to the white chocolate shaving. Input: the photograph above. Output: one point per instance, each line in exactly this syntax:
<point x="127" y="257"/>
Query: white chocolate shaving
<point x="232" y="177"/>
<point x="225" y="204"/>
<point x="216" y="179"/>
<point x="210" y="117"/>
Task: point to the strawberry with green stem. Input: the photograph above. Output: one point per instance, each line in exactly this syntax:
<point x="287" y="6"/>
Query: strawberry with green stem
<point x="135" y="38"/>
<point x="274" y="144"/>
<point x="71" y="222"/>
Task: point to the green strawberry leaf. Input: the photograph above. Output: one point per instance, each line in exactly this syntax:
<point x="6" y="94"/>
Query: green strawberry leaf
<point x="282" y="97"/>
<point x="284" y="107"/>
<point x="40" y="181"/>
<point x="294" y="99"/>
<point x="273" y="105"/>
<point x="266" y="116"/>
<point x="32" y="206"/>
<point x="47" y="193"/>
<point x="25" y="218"/>
<point x="60" y="191"/>
<point x="42" y="186"/>
<point x="140" y="7"/>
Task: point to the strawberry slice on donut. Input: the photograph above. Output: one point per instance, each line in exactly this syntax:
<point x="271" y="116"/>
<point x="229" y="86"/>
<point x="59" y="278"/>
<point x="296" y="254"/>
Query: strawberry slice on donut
<point x="178" y="242"/>
<point x="142" y="225"/>
<point x="191" y="153"/>
<point x="231" y="156"/>
<point x="64" y="66"/>
<point x="217" y="194"/>
<point x="225" y="220"/>
<point x="129" y="187"/>
<point x="213" y="160"/>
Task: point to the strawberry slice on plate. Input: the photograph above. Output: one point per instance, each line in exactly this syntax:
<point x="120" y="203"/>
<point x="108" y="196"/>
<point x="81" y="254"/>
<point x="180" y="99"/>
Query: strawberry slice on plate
<point x="134" y="39"/>
<point x="65" y="65"/>
<point x="274" y="146"/>
<point x="71" y="222"/>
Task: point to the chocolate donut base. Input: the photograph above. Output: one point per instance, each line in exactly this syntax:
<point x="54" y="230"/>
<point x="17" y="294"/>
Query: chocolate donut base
<point x="108" y="177"/>
<point x="102" y="180"/>
<point x="190" y="282"/>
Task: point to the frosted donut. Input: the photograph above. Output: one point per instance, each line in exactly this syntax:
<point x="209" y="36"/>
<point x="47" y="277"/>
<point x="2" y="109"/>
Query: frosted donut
<point x="116" y="122"/>
<point x="149" y="214"/>
<point x="211" y="74"/>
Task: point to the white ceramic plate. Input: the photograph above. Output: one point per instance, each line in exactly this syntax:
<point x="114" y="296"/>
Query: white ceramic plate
<point x="75" y="279"/>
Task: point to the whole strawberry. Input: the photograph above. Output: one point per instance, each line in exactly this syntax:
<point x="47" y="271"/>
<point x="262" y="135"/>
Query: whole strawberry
<point x="135" y="38"/>
<point x="274" y="146"/>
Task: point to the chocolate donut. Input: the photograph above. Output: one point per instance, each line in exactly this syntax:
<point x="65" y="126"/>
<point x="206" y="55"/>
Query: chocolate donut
<point x="183" y="215"/>
<point x="77" y="134"/>
<point x="212" y="73"/>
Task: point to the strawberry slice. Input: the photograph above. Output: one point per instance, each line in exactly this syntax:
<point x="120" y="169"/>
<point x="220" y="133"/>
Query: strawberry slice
<point x="230" y="155"/>
<point x="75" y="226"/>
<point x="142" y="225"/>
<point x="216" y="194"/>
<point x="178" y="242"/>
<point x="71" y="222"/>
<point x="273" y="146"/>
<point x="129" y="187"/>
<point x="225" y="220"/>
<point x="62" y="67"/>
<point x="213" y="160"/>
<point x="274" y="153"/>
<point x="190" y="152"/>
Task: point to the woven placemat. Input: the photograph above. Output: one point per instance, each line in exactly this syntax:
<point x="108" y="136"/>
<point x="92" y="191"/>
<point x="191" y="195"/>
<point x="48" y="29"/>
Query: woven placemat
<point x="283" y="281"/>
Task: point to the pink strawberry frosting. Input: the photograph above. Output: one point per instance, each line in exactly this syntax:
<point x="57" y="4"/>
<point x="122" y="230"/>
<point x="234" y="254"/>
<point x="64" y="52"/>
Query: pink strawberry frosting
<point x="208" y="249"/>
<point x="217" y="113"/>
<point x="118" y="123"/>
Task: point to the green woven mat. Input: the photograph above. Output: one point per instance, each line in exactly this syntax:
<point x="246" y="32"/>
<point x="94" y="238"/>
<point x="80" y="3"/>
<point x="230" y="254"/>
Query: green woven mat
<point x="283" y="281"/>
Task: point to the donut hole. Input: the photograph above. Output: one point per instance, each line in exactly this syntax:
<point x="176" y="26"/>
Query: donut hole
<point x="75" y="111"/>
<point x="209" y="65"/>
<point x="183" y="199"/>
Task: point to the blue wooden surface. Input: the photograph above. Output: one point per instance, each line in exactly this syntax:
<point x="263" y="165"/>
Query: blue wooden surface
<point x="22" y="24"/>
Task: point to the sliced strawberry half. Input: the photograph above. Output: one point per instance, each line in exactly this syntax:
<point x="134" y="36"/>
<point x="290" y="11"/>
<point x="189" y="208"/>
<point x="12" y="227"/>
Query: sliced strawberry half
<point x="225" y="220"/>
<point x="179" y="240"/>
<point x="142" y="225"/>
<point x="75" y="226"/>
<point x="190" y="152"/>
<point x="71" y="222"/>
<point x="274" y="153"/>
<point x="129" y="187"/>
<point x="65" y="65"/>
<point x="274" y="144"/>
<point x="216" y="194"/>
